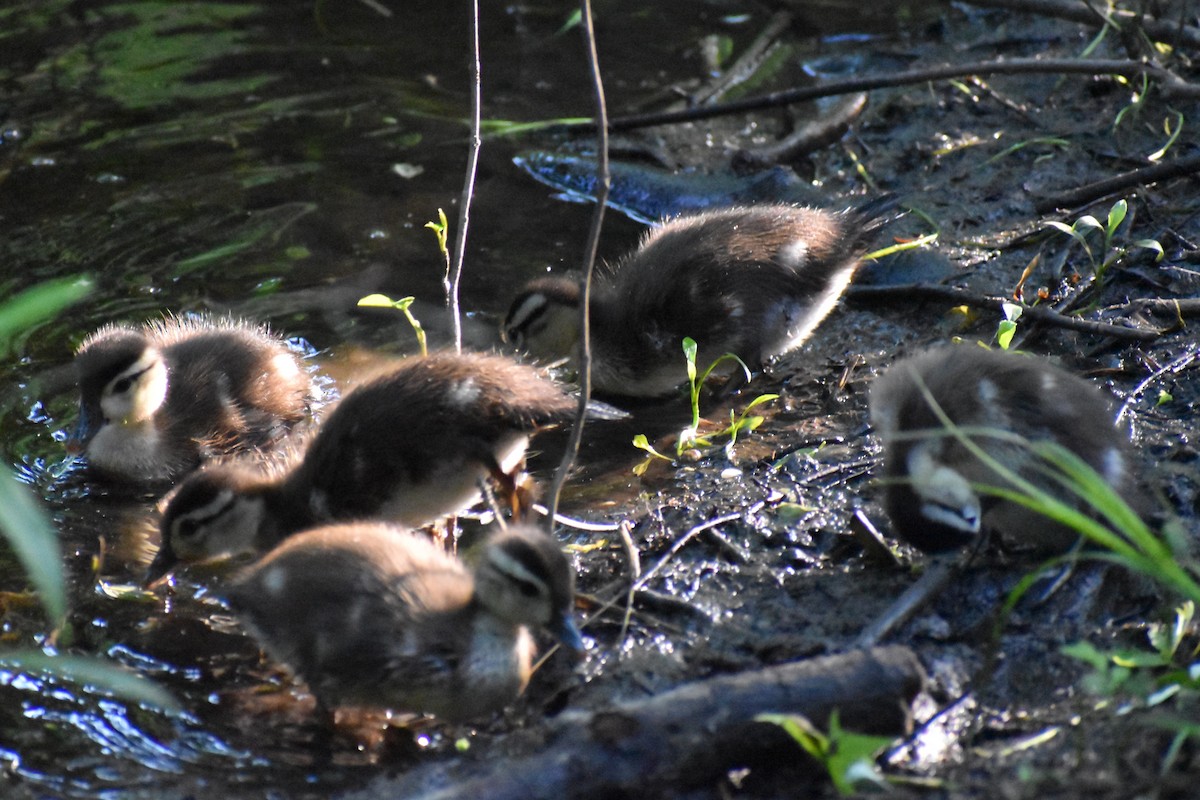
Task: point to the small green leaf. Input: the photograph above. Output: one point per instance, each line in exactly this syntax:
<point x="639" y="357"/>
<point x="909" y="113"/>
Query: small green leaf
<point x="1150" y="244"/>
<point x="377" y="301"/>
<point x="1164" y="397"/>
<point x="1005" y="332"/>
<point x="1116" y="215"/>
<point x="642" y="443"/>
<point x="689" y="354"/>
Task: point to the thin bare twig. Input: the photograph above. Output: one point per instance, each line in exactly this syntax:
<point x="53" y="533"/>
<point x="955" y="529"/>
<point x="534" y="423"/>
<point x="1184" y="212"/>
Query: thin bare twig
<point x="1175" y="366"/>
<point x="958" y="296"/>
<point x="1175" y="168"/>
<point x="468" y="191"/>
<point x="680" y="542"/>
<point x="1172" y="86"/>
<point x="603" y="182"/>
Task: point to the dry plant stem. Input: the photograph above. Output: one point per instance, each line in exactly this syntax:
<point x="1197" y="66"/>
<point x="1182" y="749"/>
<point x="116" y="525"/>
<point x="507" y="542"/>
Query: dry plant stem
<point x="1088" y="193"/>
<point x="937" y="575"/>
<point x="1172" y="86"/>
<point x="1175" y="366"/>
<point x="680" y="542"/>
<point x="468" y="191"/>
<point x="603" y="181"/>
<point x="958" y="296"/>
<point x="1073" y="10"/>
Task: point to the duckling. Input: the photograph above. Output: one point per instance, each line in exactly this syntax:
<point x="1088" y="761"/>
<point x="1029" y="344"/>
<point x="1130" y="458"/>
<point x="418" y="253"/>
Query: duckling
<point x="929" y="497"/>
<point x="372" y="615"/>
<point x="156" y="401"/>
<point x="754" y="281"/>
<point x="410" y="446"/>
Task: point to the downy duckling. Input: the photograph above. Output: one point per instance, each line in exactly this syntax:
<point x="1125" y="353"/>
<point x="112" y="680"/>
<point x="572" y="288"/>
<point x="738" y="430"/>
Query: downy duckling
<point x="410" y="446"/>
<point x="372" y="615"/>
<point x="754" y="281"/>
<point x="156" y="401"/>
<point x="929" y="497"/>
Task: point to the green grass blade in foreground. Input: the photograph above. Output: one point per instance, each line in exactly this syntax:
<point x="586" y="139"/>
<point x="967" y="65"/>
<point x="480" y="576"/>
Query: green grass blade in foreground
<point x="20" y="313"/>
<point x="33" y="540"/>
<point x="94" y="673"/>
<point x="1141" y="550"/>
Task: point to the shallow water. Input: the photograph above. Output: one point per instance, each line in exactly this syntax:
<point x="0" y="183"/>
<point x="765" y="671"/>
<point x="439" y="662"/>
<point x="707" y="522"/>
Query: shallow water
<point x="276" y="160"/>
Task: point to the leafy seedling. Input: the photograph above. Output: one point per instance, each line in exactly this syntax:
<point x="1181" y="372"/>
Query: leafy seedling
<point x="1110" y="251"/>
<point x="690" y="437"/>
<point x="848" y="757"/>
<point x="401" y="305"/>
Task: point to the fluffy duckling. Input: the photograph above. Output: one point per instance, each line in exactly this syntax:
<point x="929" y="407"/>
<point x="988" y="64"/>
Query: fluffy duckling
<point x="157" y="400"/>
<point x="410" y="446"/>
<point x="754" y="281"/>
<point x="929" y="497"/>
<point x="372" y="615"/>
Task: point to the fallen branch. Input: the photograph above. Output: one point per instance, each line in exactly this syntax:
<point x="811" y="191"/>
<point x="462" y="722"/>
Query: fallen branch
<point x="958" y="296"/>
<point x="1138" y="177"/>
<point x="1185" y="307"/>
<point x="689" y="737"/>
<point x="1172" y="86"/>
<point x="1089" y="14"/>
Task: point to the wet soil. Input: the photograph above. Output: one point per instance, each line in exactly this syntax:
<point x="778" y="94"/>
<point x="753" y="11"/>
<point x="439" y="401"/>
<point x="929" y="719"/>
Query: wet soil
<point x="248" y="201"/>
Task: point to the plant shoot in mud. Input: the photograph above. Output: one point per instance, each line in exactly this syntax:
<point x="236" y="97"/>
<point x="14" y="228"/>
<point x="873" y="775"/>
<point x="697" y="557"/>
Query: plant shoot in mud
<point x="401" y="305"/>
<point x="690" y="437"/>
<point x="848" y="757"/>
<point x="1110" y="251"/>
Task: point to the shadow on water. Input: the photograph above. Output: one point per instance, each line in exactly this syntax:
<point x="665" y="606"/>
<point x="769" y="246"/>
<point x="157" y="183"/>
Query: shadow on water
<point x="277" y="160"/>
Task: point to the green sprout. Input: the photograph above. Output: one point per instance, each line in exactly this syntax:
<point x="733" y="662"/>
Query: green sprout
<point x="401" y="305"/>
<point x="1008" y="326"/>
<point x="690" y="437"/>
<point x="848" y="757"/>
<point x="1110" y="252"/>
<point x="441" y="229"/>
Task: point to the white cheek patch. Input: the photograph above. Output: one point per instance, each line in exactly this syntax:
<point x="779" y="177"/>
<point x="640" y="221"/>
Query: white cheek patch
<point x="145" y="394"/>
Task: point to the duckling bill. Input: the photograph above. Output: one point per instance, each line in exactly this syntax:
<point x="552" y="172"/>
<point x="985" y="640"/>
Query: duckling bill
<point x="371" y="615"/>
<point x="410" y="446"/>
<point x="158" y="400"/>
<point x="929" y="474"/>
<point x="755" y="281"/>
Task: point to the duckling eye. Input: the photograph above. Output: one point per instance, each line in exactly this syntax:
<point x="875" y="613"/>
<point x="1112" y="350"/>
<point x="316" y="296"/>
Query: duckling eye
<point x="527" y="588"/>
<point x="187" y="528"/>
<point x="122" y="385"/>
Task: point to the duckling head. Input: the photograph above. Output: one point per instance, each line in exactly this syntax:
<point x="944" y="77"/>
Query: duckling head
<point x="948" y="504"/>
<point x="122" y="381"/>
<point x="543" y="319"/>
<point x="524" y="578"/>
<point x="214" y="513"/>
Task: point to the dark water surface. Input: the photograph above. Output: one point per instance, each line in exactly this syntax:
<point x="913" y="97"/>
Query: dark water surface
<point x="276" y="159"/>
